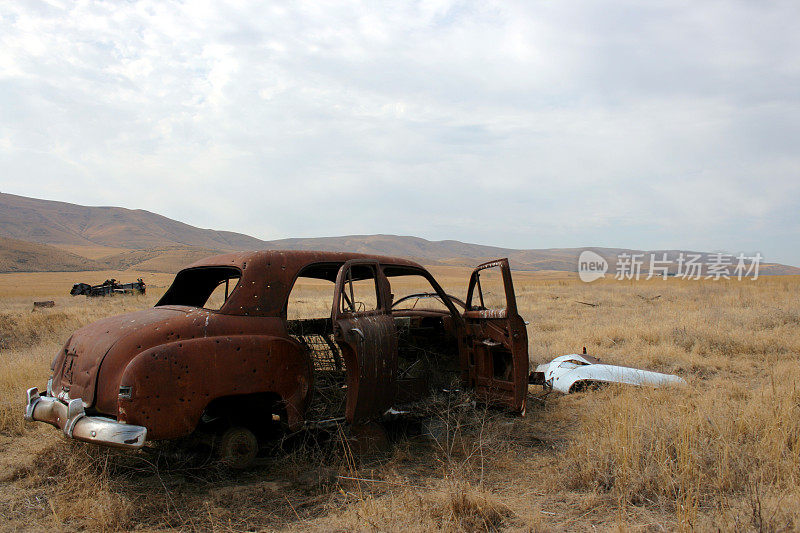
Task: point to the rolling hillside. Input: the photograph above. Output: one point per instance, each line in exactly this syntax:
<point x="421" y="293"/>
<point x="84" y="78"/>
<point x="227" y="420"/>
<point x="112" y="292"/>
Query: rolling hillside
<point x="61" y="223"/>
<point x="43" y="235"/>
<point x="23" y="256"/>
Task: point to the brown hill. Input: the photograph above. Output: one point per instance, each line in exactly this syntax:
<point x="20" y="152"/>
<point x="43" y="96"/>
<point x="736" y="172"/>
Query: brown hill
<point x="23" y="256"/>
<point x="61" y="223"/>
<point x="466" y="254"/>
<point x="158" y="244"/>
<point x="168" y="259"/>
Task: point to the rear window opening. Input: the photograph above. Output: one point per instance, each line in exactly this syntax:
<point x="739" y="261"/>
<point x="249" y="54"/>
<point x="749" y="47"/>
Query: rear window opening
<point x="221" y="294"/>
<point x="207" y="287"/>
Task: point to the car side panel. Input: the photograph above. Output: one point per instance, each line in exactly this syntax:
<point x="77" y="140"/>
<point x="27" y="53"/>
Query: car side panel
<point x="182" y="325"/>
<point x="172" y="384"/>
<point x="371" y="361"/>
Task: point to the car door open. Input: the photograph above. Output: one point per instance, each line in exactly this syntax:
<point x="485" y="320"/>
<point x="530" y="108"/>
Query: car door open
<point x="496" y="339"/>
<point x="364" y="329"/>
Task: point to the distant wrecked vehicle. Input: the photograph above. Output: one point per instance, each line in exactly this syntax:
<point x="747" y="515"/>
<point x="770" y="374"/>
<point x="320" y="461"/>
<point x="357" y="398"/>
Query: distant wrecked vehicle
<point x="575" y="372"/>
<point x="218" y="354"/>
<point x="108" y="287"/>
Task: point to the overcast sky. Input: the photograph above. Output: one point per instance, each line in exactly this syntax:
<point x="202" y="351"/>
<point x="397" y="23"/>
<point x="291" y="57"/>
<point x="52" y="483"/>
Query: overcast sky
<point x="538" y="124"/>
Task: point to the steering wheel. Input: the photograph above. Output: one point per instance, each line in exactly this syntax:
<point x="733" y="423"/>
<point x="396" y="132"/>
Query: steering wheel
<point x="423" y="295"/>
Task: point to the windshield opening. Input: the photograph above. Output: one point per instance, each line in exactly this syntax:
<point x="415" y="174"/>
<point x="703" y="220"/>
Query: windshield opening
<point x="208" y="287"/>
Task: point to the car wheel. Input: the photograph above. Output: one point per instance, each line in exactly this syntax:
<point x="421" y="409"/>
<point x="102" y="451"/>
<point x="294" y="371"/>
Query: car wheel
<point x="238" y="447"/>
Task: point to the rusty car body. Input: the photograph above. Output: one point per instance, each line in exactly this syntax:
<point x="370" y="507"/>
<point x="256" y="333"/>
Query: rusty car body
<point x="108" y="287"/>
<point x="165" y="372"/>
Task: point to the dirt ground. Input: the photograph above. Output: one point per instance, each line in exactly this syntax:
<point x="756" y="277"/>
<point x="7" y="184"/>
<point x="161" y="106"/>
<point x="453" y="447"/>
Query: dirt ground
<point x="721" y="454"/>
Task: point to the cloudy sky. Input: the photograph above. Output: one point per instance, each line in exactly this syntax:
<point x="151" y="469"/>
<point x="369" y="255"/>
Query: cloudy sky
<point x="536" y="124"/>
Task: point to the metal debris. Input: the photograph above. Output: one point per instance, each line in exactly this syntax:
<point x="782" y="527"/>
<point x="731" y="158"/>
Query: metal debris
<point x="575" y="372"/>
<point x="108" y="287"/>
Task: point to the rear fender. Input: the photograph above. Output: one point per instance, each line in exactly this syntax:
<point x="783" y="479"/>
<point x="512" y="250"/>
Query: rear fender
<point x="171" y="385"/>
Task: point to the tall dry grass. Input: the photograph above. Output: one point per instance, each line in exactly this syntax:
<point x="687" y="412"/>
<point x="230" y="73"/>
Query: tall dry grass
<point x="29" y="339"/>
<point x="721" y="454"/>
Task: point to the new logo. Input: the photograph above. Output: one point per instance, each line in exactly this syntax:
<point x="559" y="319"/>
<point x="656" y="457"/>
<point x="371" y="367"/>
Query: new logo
<point x="591" y="266"/>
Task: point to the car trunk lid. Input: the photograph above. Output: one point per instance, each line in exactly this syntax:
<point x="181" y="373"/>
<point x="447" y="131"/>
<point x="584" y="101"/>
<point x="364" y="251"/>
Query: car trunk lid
<point x="76" y="375"/>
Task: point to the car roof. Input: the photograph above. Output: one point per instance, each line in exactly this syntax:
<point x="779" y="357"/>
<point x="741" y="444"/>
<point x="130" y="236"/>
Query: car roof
<point x="279" y="268"/>
<point x="297" y="259"/>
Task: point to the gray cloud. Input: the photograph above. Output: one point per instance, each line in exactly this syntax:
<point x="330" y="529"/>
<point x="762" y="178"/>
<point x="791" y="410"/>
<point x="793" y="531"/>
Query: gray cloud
<point x="530" y="124"/>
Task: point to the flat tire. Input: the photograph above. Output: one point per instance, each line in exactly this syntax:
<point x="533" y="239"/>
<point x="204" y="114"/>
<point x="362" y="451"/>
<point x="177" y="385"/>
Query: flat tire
<point x="238" y="447"/>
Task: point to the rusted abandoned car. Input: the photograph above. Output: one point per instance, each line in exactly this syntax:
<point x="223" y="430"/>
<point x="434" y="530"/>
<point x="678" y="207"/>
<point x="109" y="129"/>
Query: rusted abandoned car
<point x="108" y="288"/>
<point x="385" y="335"/>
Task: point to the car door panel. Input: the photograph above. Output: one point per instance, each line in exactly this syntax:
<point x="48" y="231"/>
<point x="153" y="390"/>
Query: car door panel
<point x="368" y="340"/>
<point x="496" y="341"/>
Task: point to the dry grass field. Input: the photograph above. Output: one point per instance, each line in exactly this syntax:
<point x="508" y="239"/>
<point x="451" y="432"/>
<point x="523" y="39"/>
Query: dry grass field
<point x="721" y="454"/>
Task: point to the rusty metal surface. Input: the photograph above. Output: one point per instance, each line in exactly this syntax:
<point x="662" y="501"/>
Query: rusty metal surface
<point x="369" y="342"/>
<point x="267" y="277"/>
<point x="172" y="384"/>
<point x="494" y="336"/>
<point x="161" y="368"/>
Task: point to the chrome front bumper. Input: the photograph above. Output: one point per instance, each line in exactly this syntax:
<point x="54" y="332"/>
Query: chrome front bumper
<point x="73" y="421"/>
